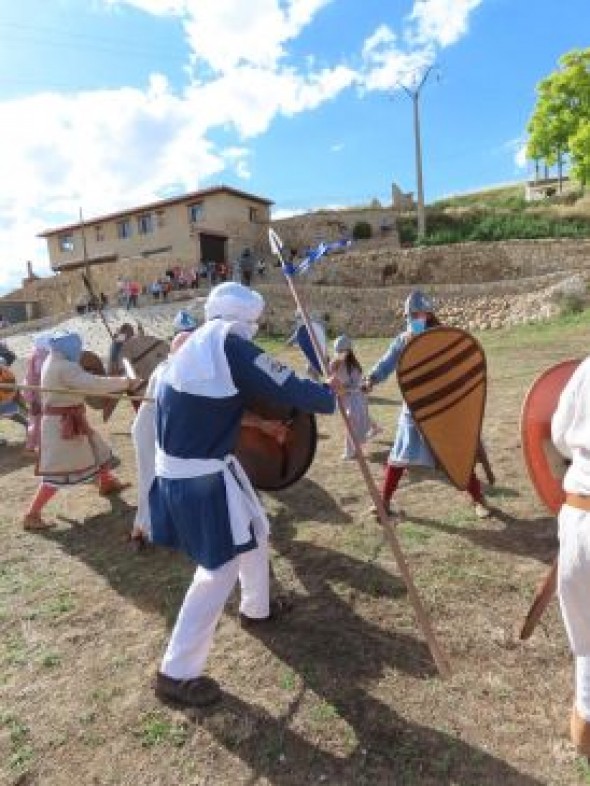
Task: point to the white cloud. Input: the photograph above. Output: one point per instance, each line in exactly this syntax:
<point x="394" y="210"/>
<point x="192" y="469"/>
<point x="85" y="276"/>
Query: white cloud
<point x="337" y="147"/>
<point x="440" y="22"/>
<point x="105" y="150"/>
<point x="226" y="33"/>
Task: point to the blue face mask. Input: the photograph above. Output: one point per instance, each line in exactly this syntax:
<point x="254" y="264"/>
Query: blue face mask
<point x="417" y="325"/>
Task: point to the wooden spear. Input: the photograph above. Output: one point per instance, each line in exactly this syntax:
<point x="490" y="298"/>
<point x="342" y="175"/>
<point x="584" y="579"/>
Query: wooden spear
<point x="69" y="391"/>
<point x="438" y="655"/>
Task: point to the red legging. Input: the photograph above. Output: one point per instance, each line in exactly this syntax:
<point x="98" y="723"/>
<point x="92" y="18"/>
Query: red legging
<point x="393" y="476"/>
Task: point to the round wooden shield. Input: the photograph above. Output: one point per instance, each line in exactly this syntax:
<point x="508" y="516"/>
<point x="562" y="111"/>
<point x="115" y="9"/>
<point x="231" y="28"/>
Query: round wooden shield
<point x="275" y="453"/>
<point x="144" y="353"/>
<point x="442" y="377"/>
<point x="545" y="465"/>
<point x="91" y="363"/>
<point x="7" y="378"/>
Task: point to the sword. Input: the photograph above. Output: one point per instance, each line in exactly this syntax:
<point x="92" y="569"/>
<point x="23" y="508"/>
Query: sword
<point x="482" y="458"/>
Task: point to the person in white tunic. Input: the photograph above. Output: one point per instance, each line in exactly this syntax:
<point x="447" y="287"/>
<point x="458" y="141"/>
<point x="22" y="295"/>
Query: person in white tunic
<point x="349" y="371"/>
<point x="570" y="431"/>
<point x="201" y="501"/>
<point x="143" y="434"/>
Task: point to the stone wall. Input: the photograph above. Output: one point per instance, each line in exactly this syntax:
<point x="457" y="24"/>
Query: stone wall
<point x="378" y="311"/>
<point x="299" y="232"/>
<point x="61" y="292"/>
<point x="452" y="264"/>
<point x="363" y="289"/>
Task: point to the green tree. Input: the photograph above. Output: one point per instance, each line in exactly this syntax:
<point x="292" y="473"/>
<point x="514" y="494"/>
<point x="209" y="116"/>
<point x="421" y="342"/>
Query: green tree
<point x="560" y="124"/>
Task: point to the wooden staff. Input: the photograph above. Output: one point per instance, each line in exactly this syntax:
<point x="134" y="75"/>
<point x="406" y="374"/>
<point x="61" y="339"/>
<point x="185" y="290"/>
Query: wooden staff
<point x="96" y="303"/>
<point x="440" y="658"/>
<point x="69" y="391"/>
<point x="544" y="592"/>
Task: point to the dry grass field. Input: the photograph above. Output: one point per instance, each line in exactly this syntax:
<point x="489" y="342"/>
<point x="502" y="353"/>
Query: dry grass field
<point x="342" y="691"/>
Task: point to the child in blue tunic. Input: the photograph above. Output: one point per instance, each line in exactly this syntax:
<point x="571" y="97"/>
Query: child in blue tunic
<point x="409" y="447"/>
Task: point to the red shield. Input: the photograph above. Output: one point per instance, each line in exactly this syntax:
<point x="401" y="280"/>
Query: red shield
<point x="545" y="465"/>
<point x="442" y="376"/>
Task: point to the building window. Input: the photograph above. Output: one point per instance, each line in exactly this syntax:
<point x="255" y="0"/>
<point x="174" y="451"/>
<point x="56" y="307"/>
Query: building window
<point x="253" y="214"/>
<point x="123" y="229"/>
<point x="99" y="233"/>
<point x="161" y="218"/>
<point x="145" y="224"/>
<point x="66" y="242"/>
<point x="195" y="212"/>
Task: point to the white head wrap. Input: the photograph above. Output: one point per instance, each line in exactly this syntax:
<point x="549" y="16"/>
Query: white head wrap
<point x="234" y="303"/>
<point x="199" y="366"/>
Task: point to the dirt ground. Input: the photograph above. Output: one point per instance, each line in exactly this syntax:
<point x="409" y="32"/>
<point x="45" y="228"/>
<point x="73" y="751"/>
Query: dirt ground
<point x="342" y="690"/>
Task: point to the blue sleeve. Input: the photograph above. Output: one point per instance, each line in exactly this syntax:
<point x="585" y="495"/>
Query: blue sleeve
<point x="259" y="377"/>
<point x="306" y="346"/>
<point x="388" y="363"/>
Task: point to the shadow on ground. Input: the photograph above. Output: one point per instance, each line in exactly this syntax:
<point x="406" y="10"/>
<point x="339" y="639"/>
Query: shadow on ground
<point x="338" y="657"/>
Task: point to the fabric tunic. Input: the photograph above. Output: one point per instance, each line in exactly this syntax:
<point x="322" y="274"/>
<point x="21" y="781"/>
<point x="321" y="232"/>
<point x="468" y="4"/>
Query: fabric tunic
<point x="33" y="397"/>
<point x="143" y="433"/>
<point x="354" y="400"/>
<point x="409" y="446"/>
<point x="190" y="512"/>
<point x="69" y="461"/>
<point x="302" y="338"/>
<point x="570" y="430"/>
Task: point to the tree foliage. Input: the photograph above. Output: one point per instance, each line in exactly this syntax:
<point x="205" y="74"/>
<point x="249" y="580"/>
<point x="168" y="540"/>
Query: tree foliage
<point x="560" y="124"/>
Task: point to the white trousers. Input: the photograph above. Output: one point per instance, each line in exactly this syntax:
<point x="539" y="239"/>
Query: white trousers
<point x="583" y="687"/>
<point x="203" y="604"/>
<point x="573" y="584"/>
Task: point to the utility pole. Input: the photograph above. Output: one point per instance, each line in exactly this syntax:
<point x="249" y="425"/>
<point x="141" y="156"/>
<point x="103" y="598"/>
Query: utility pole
<point x="414" y="94"/>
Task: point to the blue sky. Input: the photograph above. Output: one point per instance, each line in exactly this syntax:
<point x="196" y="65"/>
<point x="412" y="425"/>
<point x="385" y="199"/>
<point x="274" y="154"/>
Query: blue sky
<point x="105" y="104"/>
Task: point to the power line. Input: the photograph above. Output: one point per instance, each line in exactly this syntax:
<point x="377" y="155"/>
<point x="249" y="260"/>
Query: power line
<point x="55" y="37"/>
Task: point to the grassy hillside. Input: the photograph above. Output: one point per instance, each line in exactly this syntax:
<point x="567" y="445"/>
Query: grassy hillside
<point x="499" y="214"/>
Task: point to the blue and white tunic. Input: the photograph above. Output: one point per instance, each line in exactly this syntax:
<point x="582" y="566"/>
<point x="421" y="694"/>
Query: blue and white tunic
<point x="196" y="504"/>
<point x="409" y="447"/>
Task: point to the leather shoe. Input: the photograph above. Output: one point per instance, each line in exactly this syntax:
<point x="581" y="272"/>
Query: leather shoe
<point x="196" y="692"/>
<point x="278" y="607"/>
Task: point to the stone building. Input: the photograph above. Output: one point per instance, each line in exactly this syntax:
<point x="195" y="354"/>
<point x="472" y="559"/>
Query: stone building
<point x="214" y="224"/>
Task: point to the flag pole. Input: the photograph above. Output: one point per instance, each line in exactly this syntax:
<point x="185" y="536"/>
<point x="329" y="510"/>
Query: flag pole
<point x="436" y="651"/>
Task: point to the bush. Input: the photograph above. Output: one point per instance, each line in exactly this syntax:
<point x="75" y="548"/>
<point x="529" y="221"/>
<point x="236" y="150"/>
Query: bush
<point x="362" y="230"/>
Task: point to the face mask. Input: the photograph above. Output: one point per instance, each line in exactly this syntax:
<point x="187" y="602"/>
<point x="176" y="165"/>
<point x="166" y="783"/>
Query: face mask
<point x="417" y="325"/>
<point x="246" y="330"/>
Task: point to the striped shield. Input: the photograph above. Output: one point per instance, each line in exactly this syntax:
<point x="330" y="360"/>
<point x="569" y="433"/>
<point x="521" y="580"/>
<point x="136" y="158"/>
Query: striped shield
<point x="442" y="377"/>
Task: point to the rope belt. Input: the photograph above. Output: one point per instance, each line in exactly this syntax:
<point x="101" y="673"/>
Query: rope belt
<point x="579" y="501"/>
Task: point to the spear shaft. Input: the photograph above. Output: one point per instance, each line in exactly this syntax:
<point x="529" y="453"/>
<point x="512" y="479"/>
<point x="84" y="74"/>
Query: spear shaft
<point x="70" y="391"/>
<point x="438" y="655"/>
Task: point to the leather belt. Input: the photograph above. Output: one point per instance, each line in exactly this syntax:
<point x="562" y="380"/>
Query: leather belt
<point x="579" y="501"/>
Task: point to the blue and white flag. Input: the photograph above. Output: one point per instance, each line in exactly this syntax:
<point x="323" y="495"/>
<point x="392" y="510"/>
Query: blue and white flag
<point x="313" y="255"/>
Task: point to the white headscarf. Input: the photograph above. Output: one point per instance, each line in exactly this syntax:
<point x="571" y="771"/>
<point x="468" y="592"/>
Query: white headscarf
<point x="200" y="367"/>
<point x="234" y="303"/>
